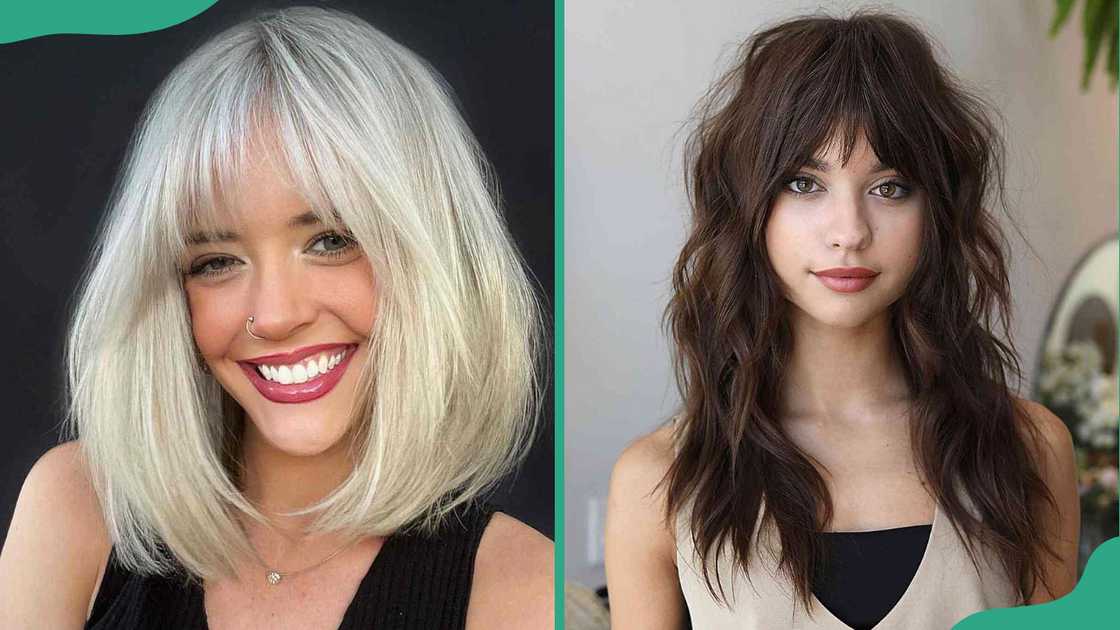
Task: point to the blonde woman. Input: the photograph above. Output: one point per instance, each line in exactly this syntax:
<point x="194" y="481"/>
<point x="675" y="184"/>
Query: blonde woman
<point x="304" y="349"/>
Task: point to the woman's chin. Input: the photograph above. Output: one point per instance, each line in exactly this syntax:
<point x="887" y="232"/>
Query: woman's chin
<point x="298" y="437"/>
<point x="844" y="317"/>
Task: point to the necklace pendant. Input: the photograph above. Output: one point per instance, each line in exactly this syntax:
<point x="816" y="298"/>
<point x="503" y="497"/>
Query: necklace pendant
<point x="274" y="577"/>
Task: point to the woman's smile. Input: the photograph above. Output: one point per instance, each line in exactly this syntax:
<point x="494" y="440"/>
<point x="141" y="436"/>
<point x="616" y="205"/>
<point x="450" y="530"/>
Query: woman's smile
<point x="300" y="376"/>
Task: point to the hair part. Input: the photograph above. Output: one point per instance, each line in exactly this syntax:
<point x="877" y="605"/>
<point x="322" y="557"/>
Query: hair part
<point x="369" y="135"/>
<point x="797" y="87"/>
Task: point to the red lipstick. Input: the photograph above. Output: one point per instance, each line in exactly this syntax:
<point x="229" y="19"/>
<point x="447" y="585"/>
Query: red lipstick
<point x="297" y="355"/>
<point x="846" y="279"/>
<point x="309" y="390"/>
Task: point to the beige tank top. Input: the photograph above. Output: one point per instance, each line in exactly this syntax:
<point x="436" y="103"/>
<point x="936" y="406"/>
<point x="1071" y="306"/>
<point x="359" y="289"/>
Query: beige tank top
<point x="945" y="589"/>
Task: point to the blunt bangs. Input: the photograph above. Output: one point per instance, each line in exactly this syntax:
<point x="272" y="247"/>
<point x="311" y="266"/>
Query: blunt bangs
<point x="835" y="83"/>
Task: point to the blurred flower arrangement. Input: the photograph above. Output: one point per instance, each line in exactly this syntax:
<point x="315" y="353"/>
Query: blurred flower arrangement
<point x="1072" y="385"/>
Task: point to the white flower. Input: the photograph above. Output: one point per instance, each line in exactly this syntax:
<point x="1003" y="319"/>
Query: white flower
<point x="1071" y="377"/>
<point x="1106" y="478"/>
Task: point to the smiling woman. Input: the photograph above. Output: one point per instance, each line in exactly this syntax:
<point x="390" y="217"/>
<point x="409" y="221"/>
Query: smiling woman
<point x="274" y="260"/>
<point x="304" y="350"/>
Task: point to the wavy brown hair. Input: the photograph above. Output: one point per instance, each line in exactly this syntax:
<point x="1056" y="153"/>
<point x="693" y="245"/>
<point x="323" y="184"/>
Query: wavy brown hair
<point x="797" y="86"/>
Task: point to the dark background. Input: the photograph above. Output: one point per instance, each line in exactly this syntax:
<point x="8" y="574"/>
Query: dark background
<point x="69" y="107"/>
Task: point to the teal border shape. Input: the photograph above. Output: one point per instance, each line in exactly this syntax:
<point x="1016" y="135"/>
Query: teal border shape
<point x="34" y="18"/>
<point x="558" y="306"/>
<point x="1092" y="604"/>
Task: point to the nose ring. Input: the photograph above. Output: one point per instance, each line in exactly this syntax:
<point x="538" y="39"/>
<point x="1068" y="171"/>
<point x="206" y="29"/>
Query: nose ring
<point x="249" y="330"/>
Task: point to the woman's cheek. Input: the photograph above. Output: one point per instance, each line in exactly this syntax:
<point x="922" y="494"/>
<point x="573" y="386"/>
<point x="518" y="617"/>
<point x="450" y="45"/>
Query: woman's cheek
<point x="208" y="319"/>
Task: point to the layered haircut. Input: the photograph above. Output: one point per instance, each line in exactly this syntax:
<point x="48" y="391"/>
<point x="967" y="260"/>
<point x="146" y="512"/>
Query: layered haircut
<point x="370" y="137"/>
<point x="797" y="87"/>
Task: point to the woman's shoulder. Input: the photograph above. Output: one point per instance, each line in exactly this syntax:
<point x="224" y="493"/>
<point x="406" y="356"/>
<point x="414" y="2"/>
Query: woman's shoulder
<point x="643" y="463"/>
<point x="513" y="577"/>
<point x="1051" y="445"/>
<point x="637" y="500"/>
<point x="57" y="542"/>
<point x="1048" y="436"/>
<point x="640" y="547"/>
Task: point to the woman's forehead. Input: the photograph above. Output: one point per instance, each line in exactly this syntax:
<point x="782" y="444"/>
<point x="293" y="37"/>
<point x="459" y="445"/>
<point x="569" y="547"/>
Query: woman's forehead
<point x="834" y="155"/>
<point x="260" y="221"/>
<point x="251" y="186"/>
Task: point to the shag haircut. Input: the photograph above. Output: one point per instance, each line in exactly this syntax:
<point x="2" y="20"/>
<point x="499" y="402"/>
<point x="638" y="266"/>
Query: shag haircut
<point x="372" y="139"/>
<point x="798" y="86"/>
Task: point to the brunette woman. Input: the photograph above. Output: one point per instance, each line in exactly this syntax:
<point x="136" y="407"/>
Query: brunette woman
<point x="850" y="451"/>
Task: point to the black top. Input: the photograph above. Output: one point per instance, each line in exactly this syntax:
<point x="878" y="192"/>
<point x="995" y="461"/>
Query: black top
<point x="416" y="582"/>
<point x="866" y="573"/>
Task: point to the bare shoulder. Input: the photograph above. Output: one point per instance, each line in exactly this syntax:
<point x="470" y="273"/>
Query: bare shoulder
<point x="56" y="545"/>
<point x="640" y="543"/>
<point x="643" y="464"/>
<point x="513" y="577"/>
<point x="637" y="494"/>
<point x="1053" y="443"/>
<point x="1052" y="446"/>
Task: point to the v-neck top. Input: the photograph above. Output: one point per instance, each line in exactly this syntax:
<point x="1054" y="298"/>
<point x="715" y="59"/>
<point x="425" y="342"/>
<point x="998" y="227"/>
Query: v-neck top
<point x="415" y="582"/>
<point x="944" y="589"/>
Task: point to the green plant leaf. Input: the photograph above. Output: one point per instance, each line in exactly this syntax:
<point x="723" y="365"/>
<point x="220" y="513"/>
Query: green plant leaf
<point x="1065" y="7"/>
<point x="1093" y="19"/>
<point x="1113" y="33"/>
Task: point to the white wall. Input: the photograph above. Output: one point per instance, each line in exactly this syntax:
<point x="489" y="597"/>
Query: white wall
<point x="634" y="70"/>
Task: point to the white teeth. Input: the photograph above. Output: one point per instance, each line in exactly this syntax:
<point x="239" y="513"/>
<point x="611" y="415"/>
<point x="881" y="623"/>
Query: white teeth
<point x="301" y="372"/>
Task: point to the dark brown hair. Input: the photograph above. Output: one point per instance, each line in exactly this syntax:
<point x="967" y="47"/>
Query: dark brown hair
<point x="799" y="85"/>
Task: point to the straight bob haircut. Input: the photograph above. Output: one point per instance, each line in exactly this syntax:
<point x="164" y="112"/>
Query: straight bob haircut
<point x="371" y="138"/>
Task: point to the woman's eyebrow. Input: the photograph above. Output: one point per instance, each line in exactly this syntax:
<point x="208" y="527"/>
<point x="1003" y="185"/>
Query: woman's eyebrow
<point x="824" y="167"/>
<point x="202" y="238"/>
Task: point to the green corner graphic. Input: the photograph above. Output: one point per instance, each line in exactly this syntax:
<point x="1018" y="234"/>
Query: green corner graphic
<point x="27" y="19"/>
<point x="1092" y="604"/>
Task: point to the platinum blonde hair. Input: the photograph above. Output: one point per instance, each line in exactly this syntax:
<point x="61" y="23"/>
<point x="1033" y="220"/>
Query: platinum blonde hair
<point x="374" y="143"/>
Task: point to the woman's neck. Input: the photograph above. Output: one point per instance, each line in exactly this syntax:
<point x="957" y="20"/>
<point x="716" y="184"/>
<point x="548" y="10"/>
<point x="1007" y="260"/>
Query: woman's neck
<point x="277" y="482"/>
<point x="842" y="372"/>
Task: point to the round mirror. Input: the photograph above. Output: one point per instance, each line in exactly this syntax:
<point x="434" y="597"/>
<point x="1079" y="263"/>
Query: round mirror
<point x="1076" y="379"/>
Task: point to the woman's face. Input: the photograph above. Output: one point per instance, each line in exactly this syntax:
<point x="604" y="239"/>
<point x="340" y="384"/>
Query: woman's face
<point x="311" y="293"/>
<point x="831" y="224"/>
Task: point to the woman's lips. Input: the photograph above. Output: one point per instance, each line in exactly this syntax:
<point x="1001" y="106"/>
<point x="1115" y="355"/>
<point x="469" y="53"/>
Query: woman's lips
<point x="298" y="392"/>
<point x="842" y="282"/>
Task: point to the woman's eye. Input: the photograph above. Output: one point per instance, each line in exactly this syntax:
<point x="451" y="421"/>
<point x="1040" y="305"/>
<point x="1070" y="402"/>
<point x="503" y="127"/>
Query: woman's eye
<point x="335" y="244"/>
<point x="801" y="186"/>
<point x="211" y="268"/>
<point x="891" y="190"/>
<point x="326" y="245"/>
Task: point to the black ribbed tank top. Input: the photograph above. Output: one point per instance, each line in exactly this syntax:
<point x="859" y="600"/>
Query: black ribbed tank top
<point x="416" y="582"/>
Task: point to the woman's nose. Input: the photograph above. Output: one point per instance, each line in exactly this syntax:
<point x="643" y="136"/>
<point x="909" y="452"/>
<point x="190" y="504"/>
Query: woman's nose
<point x="847" y="224"/>
<point x="280" y="303"/>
